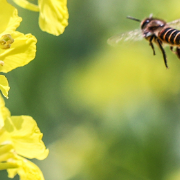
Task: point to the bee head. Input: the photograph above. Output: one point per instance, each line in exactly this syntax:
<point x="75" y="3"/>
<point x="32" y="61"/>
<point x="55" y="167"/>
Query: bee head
<point x="151" y="26"/>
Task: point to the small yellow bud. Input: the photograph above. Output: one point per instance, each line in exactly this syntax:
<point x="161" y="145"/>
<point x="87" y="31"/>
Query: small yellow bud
<point x="1" y="63"/>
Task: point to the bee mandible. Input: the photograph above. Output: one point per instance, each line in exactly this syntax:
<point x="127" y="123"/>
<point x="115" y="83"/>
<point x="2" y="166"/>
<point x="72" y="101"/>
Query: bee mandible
<point x="155" y="31"/>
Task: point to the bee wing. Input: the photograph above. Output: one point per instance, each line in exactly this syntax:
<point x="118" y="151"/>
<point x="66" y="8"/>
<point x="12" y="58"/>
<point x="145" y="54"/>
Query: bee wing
<point x="134" y="35"/>
<point x="175" y="24"/>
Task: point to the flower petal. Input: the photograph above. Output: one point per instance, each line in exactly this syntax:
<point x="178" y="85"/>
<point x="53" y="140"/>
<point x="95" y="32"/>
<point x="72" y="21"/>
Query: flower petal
<point x="26" y="170"/>
<point x="4" y="112"/>
<point x="53" y="16"/>
<point x="9" y="17"/>
<point x="26" y="137"/>
<point x="4" y="86"/>
<point x="22" y="51"/>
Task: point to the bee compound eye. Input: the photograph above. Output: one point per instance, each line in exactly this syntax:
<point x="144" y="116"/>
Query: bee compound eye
<point x="144" y="24"/>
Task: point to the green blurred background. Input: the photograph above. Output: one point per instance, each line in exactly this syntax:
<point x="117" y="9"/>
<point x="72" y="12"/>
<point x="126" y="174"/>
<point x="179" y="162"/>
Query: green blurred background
<point x="106" y="113"/>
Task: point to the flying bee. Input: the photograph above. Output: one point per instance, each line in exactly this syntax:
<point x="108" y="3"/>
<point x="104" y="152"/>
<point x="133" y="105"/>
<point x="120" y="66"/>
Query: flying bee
<point x="155" y="31"/>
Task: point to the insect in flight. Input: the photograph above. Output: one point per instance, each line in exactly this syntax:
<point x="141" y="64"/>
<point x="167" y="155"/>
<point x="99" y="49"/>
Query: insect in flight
<point x="155" y="31"/>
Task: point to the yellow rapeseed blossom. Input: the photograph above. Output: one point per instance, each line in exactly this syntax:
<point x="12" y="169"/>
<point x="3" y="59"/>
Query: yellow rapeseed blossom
<point x="27" y="170"/>
<point x="4" y="86"/>
<point x="20" y="137"/>
<point x="53" y="14"/>
<point x="16" y="49"/>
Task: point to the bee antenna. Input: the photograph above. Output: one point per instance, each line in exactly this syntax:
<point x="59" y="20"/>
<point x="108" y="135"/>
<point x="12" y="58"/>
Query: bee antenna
<point x="129" y="17"/>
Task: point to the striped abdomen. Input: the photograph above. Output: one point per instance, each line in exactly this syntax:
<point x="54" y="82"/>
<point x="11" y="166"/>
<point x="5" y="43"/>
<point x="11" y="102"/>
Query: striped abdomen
<point x="170" y="35"/>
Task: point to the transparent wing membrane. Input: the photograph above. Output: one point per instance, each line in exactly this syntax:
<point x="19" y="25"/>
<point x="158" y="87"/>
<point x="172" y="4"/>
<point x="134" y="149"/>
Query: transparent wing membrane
<point x="134" y="35"/>
<point x="175" y="24"/>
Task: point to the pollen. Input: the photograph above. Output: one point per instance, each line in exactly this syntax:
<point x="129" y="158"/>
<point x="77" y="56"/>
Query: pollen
<point x="5" y="41"/>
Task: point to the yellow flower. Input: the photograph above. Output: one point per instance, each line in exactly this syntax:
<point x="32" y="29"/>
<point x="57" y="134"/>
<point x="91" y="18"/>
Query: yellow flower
<point x="4" y="113"/>
<point x="4" y="86"/>
<point x="27" y="170"/>
<point x="53" y="16"/>
<point x="20" y="137"/>
<point x="16" y="49"/>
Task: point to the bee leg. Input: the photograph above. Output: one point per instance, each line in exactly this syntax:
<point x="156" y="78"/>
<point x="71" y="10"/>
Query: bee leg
<point x="163" y="52"/>
<point x="151" y="44"/>
<point x="171" y="48"/>
<point x="178" y="52"/>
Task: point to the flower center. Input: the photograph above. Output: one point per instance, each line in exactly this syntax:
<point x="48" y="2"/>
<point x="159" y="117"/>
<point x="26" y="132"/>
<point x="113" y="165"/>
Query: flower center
<point x="5" y="41"/>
